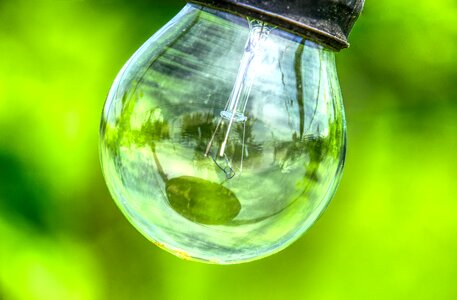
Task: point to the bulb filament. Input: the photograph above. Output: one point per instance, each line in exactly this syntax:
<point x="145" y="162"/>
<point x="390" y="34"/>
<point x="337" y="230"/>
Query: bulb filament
<point x="234" y="111"/>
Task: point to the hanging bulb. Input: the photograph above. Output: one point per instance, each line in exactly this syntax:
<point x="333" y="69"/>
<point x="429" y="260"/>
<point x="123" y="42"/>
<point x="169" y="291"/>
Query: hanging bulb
<point x="223" y="137"/>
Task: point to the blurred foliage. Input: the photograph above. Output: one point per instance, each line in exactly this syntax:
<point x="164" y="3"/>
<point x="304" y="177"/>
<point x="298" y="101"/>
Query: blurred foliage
<point x="391" y="231"/>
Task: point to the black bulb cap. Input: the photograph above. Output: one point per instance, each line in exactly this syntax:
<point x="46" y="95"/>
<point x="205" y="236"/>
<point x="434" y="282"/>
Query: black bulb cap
<point x="328" y="22"/>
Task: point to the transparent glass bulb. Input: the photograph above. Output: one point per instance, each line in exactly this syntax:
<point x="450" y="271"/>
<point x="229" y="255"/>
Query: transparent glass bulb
<point x="223" y="138"/>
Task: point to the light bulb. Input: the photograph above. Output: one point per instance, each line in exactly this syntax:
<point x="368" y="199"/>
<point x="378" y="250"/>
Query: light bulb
<point x="223" y="137"/>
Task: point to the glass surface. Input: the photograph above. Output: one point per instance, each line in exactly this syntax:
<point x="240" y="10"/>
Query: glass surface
<point x="223" y="139"/>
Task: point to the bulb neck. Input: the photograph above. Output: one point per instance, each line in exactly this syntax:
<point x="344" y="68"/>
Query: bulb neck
<point x="327" y="22"/>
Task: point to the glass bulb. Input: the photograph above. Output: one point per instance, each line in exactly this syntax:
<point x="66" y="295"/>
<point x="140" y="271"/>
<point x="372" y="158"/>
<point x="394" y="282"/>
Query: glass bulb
<point x="223" y="138"/>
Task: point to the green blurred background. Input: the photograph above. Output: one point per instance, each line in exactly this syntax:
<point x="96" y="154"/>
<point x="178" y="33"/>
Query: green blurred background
<point x="390" y="232"/>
